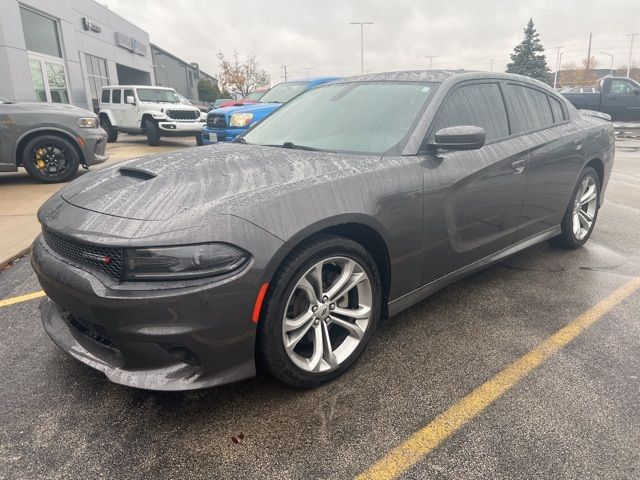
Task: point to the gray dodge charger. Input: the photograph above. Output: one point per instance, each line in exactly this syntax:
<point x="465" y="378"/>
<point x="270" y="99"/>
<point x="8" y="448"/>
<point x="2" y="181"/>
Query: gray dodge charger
<point x="283" y="250"/>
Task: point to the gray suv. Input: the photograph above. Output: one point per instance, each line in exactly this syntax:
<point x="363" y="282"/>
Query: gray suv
<point x="49" y="140"/>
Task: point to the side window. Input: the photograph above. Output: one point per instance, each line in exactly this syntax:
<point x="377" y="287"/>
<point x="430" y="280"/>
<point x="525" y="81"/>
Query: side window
<point x="622" y="87"/>
<point x="117" y="96"/>
<point x="479" y="105"/>
<point x="529" y="108"/>
<point x="106" y="96"/>
<point x="556" y="109"/>
<point x="127" y="93"/>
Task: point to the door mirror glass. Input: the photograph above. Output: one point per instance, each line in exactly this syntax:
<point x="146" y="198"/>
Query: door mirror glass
<point x="130" y="100"/>
<point x="464" y="137"/>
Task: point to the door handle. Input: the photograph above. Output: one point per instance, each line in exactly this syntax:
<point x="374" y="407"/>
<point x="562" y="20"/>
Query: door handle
<point x="577" y="144"/>
<point x="518" y="166"/>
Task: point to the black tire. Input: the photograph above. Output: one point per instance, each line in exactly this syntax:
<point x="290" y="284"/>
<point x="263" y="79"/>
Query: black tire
<point x="50" y="158"/>
<point x="153" y="136"/>
<point x="199" y="140"/>
<point x="112" y="133"/>
<point x="270" y="349"/>
<point x="568" y="238"/>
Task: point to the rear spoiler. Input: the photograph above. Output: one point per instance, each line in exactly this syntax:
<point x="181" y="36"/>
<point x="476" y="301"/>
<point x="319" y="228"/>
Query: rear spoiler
<point x="593" y="113"/>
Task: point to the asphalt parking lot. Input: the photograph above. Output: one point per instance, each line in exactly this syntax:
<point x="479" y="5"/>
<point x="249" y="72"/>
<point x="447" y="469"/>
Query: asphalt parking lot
<point x="577" y="415"/>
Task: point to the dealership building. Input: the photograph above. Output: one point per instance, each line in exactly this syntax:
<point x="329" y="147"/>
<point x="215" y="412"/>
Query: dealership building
<point x="64" y="51"/>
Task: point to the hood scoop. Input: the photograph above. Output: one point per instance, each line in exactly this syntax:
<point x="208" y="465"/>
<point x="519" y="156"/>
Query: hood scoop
<point x="137" y="173"/>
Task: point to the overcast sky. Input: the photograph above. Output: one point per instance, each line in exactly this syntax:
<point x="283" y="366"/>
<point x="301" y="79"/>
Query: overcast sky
<point x="317" y="34"/>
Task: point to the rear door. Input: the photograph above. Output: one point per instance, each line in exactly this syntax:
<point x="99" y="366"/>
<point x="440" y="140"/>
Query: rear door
<point x="555" y="153"/>
<point x="472" y="198"/>
<point x="116" y="107"/>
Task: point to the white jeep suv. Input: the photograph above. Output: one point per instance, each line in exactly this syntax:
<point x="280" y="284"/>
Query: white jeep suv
<point x="154" y="111"/>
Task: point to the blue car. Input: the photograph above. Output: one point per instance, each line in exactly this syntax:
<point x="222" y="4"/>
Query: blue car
<point x="225" y="124"/>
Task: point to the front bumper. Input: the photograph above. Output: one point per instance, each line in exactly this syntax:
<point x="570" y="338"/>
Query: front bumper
<point x="93" y="143"/>
<point x="180" y="129"/>
<point x="184" y="338"/>
<point x="213" y="135"/>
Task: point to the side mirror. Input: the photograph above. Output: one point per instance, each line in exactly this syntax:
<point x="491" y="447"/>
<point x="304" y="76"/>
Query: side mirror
<point x="130" y="100"/>
<point x="464" y="137"/>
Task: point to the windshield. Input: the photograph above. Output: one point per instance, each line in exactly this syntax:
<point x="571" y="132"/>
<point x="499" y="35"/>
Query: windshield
<point x="359" y="117"/>
<point x="283" y="92"/>
<point x="255" y="96"/>
<point x="158" y="95"/>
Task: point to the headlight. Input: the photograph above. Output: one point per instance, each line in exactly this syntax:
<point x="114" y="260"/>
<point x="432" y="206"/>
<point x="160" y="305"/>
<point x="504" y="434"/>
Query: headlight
<point x="88" y="122"/>
<point x="190" y="261"/>
<point x="240" y="119"/>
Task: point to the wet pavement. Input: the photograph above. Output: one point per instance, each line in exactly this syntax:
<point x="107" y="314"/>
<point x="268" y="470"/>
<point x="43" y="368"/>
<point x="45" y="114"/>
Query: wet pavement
<point x="577" y="416"/>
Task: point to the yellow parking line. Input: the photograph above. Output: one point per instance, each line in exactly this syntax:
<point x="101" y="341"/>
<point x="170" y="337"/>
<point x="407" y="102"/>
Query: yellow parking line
<point x="22" y="298"/>
<point x="418" y="445"/>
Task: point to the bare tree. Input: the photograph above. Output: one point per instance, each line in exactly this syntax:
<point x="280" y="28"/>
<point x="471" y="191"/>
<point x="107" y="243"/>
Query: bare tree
<point x="241" y="77"/>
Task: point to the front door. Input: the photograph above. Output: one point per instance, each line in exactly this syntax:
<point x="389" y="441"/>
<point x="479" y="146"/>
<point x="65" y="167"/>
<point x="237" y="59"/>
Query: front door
<point x="473" y="198"/>
<point x="622" y="102"/>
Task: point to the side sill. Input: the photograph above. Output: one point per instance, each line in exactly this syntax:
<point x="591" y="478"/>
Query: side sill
<point x="411" y="298"/>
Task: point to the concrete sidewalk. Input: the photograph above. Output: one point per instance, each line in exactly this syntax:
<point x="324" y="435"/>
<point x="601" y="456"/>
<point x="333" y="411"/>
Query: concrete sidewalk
<point x="21" y="196"/>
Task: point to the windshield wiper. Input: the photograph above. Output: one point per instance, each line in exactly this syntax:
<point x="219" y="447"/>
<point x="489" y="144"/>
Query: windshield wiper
<point x="240" y="140"/>
<point x="298" y="147"/>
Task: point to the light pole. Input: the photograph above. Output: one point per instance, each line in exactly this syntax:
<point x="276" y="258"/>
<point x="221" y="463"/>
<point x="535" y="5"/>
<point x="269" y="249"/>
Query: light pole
<point x="491" y="67"/>
<point x="308" y="69"/>
<point x="284" y="68"/>
<point x="555" y="75"/>
<point x="430" y="57"/>
<point x="609" y="55"/>
<point x="633" y="36"/>
<point x="362" y="24"/>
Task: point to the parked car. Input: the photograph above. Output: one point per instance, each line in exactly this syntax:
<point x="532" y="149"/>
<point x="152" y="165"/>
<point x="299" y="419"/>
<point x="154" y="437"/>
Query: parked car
<point x="153" y="111"/>
<point x="580" y="90"/>
<point x="618" y="97"/>
<point x="253" y="97"/>
<point x="219" y="102"/>
<point x="185" y="101"/>
<point x="286" y="247"/>
<point x="225" y="124"/>
<point x="50" y="140"/>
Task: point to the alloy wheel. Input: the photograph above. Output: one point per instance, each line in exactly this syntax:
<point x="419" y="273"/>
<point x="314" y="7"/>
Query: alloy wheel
<point x="50" y="159"/>
<point x="584" y="210"/>
<point x="327" y="314"/>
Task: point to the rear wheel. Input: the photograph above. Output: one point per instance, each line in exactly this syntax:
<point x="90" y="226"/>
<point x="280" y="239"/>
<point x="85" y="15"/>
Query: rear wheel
<point x="582" y="212"/>
<point x="153" y="136"/>
<point x="112" y="133"/>
<point x="323" y="307"/>
<point x="50" y="159"/>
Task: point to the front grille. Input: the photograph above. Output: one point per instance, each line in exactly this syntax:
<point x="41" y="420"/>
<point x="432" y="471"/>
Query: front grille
<point x="216" y="121"/>
<point x="95" y="332"/>
<point x="183" y="114"/>
<point x="111" y="262"/>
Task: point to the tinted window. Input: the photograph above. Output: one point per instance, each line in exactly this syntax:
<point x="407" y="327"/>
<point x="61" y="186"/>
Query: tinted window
<point x="530" y="108"/>
<point x="115" y="98"/>
<point x="556" y="108"/>
<point x="105" y="96"/>
<point x="478" y="105"/>
<point x="40" y="33"/>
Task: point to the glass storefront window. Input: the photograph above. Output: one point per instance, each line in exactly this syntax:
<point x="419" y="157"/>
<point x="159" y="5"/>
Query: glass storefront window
<point x="38" y="80"/>
<point x="40" y="33"/>
<point x="97" y="76"/>
<point x="57" y="83"/>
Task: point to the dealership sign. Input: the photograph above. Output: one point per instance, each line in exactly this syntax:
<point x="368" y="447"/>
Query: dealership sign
<point x="131" y="44"/>
<point x="90" y="25"/>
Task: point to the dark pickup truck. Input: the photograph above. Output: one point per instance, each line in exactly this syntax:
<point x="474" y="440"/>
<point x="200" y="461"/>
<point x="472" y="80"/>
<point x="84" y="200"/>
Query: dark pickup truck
<point x="618" y="97"/>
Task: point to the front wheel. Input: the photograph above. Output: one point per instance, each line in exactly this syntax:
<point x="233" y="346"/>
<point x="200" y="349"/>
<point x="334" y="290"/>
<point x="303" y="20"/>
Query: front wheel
<point x="153" y="136"/>
<point x="581" y="214"/>
<point x="323" y="307"/>
<point x="50" y="159"/>
<point x="112" y="133"/>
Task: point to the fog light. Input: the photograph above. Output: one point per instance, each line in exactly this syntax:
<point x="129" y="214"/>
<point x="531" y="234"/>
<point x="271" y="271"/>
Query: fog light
<point x="183" y="354"/>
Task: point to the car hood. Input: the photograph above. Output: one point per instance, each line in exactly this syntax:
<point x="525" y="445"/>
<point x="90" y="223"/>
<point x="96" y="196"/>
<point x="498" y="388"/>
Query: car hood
<point x="50" y="107"/>
<point x="254" y="108"/>
<point x="216" y="179"/>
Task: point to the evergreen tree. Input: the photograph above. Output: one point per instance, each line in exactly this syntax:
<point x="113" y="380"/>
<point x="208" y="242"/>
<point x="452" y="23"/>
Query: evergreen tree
<point x="528" y="57"/>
